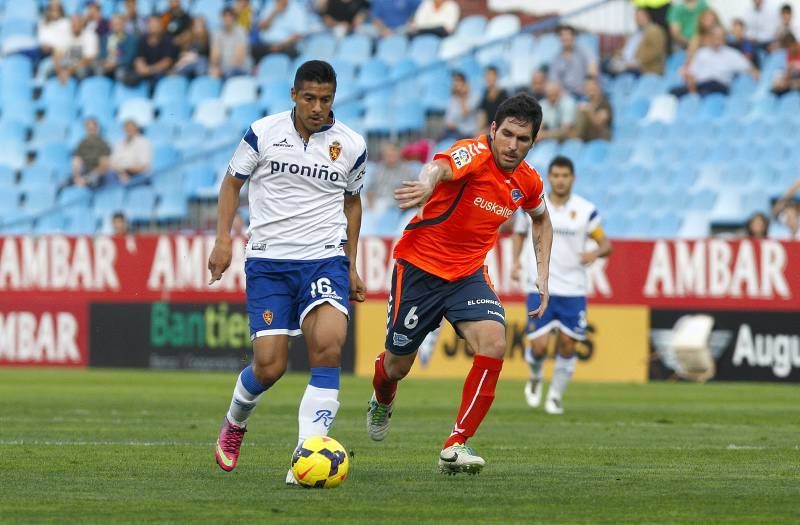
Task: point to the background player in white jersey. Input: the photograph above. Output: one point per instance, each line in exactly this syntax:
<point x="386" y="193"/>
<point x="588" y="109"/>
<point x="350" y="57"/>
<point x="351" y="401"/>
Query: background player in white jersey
<point x="306" y="171"/>
<point x="575" y="221"/>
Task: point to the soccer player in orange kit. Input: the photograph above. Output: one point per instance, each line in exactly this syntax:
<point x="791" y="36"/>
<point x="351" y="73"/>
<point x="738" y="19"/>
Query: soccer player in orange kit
<point x="465" y="194"/>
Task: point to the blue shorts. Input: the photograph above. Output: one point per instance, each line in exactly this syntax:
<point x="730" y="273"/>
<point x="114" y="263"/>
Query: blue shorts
<point x="281" y="293"/>
<point x="568" y="314"/>
<point x="419" y="300"/>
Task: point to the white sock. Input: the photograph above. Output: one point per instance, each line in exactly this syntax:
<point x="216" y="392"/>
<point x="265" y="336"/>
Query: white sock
<point x="534" y="362"/>
<point x="317" y="412"/>
<point x="562" y="373"/>
<point x="242" y="404"/>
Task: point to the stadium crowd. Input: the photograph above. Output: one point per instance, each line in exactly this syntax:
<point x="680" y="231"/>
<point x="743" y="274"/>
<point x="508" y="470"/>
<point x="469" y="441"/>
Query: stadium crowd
<point x="136" y="49"/>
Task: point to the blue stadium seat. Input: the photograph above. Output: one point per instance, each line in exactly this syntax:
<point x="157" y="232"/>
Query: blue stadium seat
<point x="245" y="114"/>
<point x="204" y="88"/>
<point x="198" y="178"/>
<point x="108" y="200"/>
<point x="239" y="90"/>
<point x="274" y="95"/>
<point x="172" y="207"/>
<point x="345" y="72"/>
<point x="13" y="154"/>
<point x="170" y="90"/>
<point x="38" y="201"/>
<point x="160" y="131"/>
<point x="320" y="45"/>
<point x="139" y="203"/>
<point x="377" y="121"/>
<point x="424" y="49"/>
<point x="408" y="118"/>
<point x="28" y="11"/>
<point x="8" y="177"/>
<point x="93" y="89"/>
<point x="16" y="68"/>
<point x="18" y="107"/>
<point x="501" y="26"/>
<point x="12" y="130"/>
<point x="355" y="48"/>
<point x="372" y="73"/>
<point x="123" y="93"/>
<point x="275" y="66"/>
<point x="210" y="10"/>
<point x="191" y="138"/>
<point x="548" y="46"/>
<point x="139" y="110"/>
<point x="210" y="113"/>
<point x="164" y="156"/>
<point x="54" y="154"/>
<point x="175" y="113"/>
<point x="74" y="195"/>
<point x="56" y="93"/>
<point x="392" y="49"/>
<point x="53" y="222"/>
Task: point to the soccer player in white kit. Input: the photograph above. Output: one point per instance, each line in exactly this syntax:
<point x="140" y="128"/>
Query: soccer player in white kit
<point x="575" y="221"/>
<point x="306" y="170"/>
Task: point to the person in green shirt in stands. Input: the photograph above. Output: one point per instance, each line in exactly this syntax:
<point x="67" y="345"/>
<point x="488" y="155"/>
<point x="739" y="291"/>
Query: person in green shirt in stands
<point x="682" y="20"/>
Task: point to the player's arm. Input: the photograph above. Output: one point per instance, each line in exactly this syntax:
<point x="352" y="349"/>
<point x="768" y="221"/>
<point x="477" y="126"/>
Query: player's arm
<point x="220" y="257"/>
<point x="781" y="203"/>
<point x="517" y="244"/>
<point x="417" y="192"/>
<point x="603" y="247"/>
<point x="352" y="211"/>
<point x="542" y="244"/>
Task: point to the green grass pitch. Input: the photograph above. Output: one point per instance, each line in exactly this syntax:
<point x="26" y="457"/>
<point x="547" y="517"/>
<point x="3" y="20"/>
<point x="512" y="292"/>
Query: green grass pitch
<point x="119" y="446"/>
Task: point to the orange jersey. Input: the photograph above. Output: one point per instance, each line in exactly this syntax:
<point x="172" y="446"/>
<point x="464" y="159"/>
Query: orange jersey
<point x="460" y="222"/>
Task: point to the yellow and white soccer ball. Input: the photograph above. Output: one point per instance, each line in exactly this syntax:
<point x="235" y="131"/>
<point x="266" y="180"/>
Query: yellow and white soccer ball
<point x="320" y="462"/>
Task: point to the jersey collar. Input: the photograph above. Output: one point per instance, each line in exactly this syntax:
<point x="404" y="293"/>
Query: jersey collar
<point x="323" y="128"/>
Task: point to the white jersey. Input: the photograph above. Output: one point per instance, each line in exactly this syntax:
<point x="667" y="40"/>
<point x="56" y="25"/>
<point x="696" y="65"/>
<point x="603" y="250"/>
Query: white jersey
<point x="573" y="224"/>
<point x="297" y="190"/>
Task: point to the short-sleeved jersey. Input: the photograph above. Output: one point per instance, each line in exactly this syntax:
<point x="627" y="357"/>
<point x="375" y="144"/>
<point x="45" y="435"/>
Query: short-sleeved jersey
<point x="459" y="223"/>
<point x="573" y="225"/>
<point x="296" y="189"/>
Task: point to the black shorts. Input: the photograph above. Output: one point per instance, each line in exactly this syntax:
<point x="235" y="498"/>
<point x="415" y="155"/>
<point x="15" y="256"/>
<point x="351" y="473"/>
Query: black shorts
<point x="419" y="300"/>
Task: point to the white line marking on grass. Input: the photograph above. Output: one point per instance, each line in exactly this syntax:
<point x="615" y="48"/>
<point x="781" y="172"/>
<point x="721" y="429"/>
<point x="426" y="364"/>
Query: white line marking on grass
<point x="745" y="447"/>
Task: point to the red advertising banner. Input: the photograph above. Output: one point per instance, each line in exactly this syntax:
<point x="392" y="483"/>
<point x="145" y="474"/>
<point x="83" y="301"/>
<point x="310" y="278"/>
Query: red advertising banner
<point x="42" y="333"/>
<point x="709" y="273"/>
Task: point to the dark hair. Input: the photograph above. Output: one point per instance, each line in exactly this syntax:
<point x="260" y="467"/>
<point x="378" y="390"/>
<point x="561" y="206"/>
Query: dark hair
<point x="459" y="75"/>
<point x="786" y="8"/>
<point x="748" y="227"/>
<point x="522" y="107"/>
<point x="561" y="161"/>
<point x="492" y="68"/>
<point x="228" y="10"/>
<point x="565" y="27"/>
<point x="317" y="71"/>
<point x="118" y="215"/>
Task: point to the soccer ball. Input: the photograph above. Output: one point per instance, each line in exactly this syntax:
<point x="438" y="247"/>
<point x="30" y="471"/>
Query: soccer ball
<point x="320" y="462"/>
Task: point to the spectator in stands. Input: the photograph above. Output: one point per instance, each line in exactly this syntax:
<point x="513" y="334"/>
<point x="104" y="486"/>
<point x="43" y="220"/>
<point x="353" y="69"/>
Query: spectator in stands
<point x="391" y="16"/>
<point x="230" y="49"/>
<point x="177" y="23"/>
<point x="789" y="79"/>
<point x="119" y="225"/>
<point x="788" y="214"/>
<point x="94" y="19"/>
<point x="682" y="18"/>
<point x="702" y="37"/>
<point x="80" y="52"/>
<point x="593" y="120"/>
<point x="763" y="22"/>
<point x="461" y="116"/>
<point x="656" y="11"/>
<point x="386" y="176"/>
<point x="538" y="84"/>
<point x="135" y="24"/>
<point x="738" y="40"/>
<point x="156" y="53"/>
<point x="343" y="16"/>
<point x="571" y="67"/>
<point x="713" y="68"/>
<point x="55" y="30"/>
<point x="558" y="113"/>
<point x="119" y="51"/>
<point x="786" y="27"/>
<point x="493" y="95"/>
<point x="194" y="55"/>
<point x="436" y="17"/>
<point x="132" y="155"/>
<point x="283" y="27"/>
<point x="90" y="161"/>
<point x="757" y="226"/>
<point x="645" y="51"/>
<point x="244" y="14"/>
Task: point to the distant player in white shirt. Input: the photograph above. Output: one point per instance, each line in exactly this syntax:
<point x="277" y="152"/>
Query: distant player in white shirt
<point x="575" y="221"/>
<point x="306" y="171"/>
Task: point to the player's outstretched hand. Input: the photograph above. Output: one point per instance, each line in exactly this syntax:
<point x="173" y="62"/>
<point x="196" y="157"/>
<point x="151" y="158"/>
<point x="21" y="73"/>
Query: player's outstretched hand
<point x="413" y="193"/>
<point x="544" y="299"/>
<point x="219" y="260"/>
<point x="358" y="291"/>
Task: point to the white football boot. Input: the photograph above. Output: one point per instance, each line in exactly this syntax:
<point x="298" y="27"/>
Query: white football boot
<point x="378" y="419"/>
<point x="533" y="392"/>
<point x="459" y="458"/>
<point x="553" y="406"/>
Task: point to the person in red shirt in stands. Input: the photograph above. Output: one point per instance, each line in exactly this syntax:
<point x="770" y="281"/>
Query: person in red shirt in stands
<point x="464" y="195"/>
